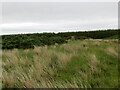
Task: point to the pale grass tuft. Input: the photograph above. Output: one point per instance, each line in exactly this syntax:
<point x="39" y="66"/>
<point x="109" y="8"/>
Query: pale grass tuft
<point x="97" y="43"/>
<point x="11" y="57"/>
<point x="94" y="60"/>
<point x="30" y="84"/>
<point x="84" y="44"/>
<point x="65" y="58"/>
<point x="68" y="48"/>
<point x="112" y="52"/>
<point x="71" y="48"/>
<point x="8" y="81"/>
<point x="94" y="64"/>
<point x="37" y="50"/>
<point x="26" y="51"/>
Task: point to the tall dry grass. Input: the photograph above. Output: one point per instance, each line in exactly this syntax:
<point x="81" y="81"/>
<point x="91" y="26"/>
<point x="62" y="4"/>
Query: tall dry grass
<point x="37" y="68"/>
<point x="31" y="72"/>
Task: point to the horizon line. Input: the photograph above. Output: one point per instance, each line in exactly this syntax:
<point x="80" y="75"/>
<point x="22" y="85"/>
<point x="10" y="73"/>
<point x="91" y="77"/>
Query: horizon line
<point x="57" y="32"/>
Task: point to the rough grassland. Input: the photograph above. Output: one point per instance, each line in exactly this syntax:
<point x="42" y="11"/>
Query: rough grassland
<point x="77" y="64"/>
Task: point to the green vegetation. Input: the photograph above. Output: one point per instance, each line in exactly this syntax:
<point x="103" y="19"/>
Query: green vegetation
<point x="113" y="37"/>
<point x="78" y="64"/>
<point x="26" y="41"/>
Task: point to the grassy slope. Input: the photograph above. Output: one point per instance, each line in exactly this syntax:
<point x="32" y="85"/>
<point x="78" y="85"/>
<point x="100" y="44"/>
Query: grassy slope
<point x="113" y="37"/>
<point x="91" y="64"/>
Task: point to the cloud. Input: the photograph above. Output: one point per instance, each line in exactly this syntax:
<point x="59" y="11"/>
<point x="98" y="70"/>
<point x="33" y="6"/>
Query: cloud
<point x="59" y="0"/>
<point x="25" y="17"/>
<point x="62" y="25"/>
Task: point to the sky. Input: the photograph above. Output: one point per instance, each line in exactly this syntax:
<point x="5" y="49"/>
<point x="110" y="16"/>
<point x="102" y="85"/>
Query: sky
<point x="38" y="17"/>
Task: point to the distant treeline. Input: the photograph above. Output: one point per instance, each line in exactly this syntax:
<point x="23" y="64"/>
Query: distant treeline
<point x="25" y="41"/>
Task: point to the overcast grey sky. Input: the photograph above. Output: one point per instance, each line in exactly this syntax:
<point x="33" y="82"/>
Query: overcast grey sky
<point x="37" y="17"/>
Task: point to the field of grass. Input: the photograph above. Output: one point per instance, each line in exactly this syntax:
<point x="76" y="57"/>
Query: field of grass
<point x="77" y="64"/>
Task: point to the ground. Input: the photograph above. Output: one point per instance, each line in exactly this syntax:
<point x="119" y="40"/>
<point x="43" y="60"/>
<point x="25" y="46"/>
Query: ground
<point x="76" y="64"/>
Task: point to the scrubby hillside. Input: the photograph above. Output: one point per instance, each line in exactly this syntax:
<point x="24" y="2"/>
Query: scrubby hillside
<point x="77" y="64"/>
<point x="113" y="37"/>
<point x="27" y="41"/>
